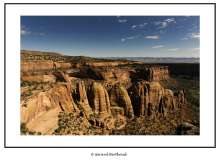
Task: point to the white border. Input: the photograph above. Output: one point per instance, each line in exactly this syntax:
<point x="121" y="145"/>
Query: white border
<point x="13" y="13"/>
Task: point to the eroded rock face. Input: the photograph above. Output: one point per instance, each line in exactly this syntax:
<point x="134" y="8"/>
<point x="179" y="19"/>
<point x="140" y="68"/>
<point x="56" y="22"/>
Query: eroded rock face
<point x="120" y="102"/>
<point x="180" y="99"/>
<point x="97" y="110"/>
<point x="45" y="106"/>
<point x="158" y="73"/>
<point x="81" y="98"/>
<point x="39" y="78"/>
<point x="62" y="76"/>
<point x="99" y="99"/>
<point x="149" y="98"/>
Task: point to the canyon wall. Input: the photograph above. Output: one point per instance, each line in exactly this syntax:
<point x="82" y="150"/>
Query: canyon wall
<point x="47" y="64"/>
<point x="143" y="98"/>
<point x="149" y="98"/>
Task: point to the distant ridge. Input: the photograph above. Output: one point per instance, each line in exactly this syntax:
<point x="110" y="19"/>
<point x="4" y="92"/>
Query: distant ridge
<point x="158" y="59"/>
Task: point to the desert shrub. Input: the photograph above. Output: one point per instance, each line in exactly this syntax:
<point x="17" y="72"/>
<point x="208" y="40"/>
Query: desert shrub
<point x="58" y="130"/>
<point x="23" y="128"/>
<point x="35" y="87"/>
<point x="24" y="105"/>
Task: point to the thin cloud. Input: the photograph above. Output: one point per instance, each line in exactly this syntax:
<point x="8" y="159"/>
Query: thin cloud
<point x="157" y="46"/>
<point x="122" y="40"/>
<point x="163" y="24"/>
<point x="42" y="27"/>
<point x="142" y="25"/>
<point x="139" y="26"/>
<point x="122" y="20"/>
<point x="193" y="35"/>
<point x="169" y="20"/>
<point x="25" y="32"/>
<point x="22" y="26"/>
<point x="42" y="34"/>
<point x="134" y="26"/>
<point x="153" y="37"/>
<point x="133" y="37"/>
<point x="162" y="32"/>
<point x="172" y="49"/>
<point x="184" y="38"/>
<point x="195" y="49"/>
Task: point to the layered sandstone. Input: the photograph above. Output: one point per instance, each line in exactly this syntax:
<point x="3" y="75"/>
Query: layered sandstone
<point x="120" y="102"/>
<point x="42" y="65"/>
<point x="150" y="74"/>
<point x="39" y="78"/>
<point x="149" y="98"/>
<point x="99" y="99"/>
<point x="158" y="73"/>
<point x="97" y="109"/>
<point x="81" y="98"/>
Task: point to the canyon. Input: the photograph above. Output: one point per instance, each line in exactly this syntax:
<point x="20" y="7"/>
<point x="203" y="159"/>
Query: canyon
<point x="96" y="98"/>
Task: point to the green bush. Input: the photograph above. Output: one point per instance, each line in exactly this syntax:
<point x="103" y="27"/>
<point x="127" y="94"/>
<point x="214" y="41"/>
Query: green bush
<point x="23" y="128"/>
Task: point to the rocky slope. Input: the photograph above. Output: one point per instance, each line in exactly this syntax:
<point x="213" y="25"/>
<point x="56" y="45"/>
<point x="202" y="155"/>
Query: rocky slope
<point x="40" y="110"/>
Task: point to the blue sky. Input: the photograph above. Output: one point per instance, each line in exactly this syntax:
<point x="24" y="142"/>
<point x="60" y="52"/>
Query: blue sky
<point x="112" y="36"/>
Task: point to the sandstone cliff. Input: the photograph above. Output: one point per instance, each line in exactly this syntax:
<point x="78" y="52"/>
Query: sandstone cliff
<point x="39" y="78"/>
<point x="99" y="112"/>
<point x="150" y="99"/>
<point x="120" y="102"/>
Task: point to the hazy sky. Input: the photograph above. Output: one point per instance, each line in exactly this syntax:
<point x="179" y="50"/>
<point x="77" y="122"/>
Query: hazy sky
<point x="112" y="36"/>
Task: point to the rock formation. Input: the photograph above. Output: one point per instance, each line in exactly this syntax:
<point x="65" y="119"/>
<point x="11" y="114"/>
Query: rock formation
<point x="62" y="76"/>
<point x="97" y="109"/>
<point x="109" y="103"/>
<point x="81" y="98"/>
<point x="149" y="98"/>
<point x="42" y="109"/>
<point x="39" y="78"/>
<point x="120" y="102"/>
<point x="99" y="99"/>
